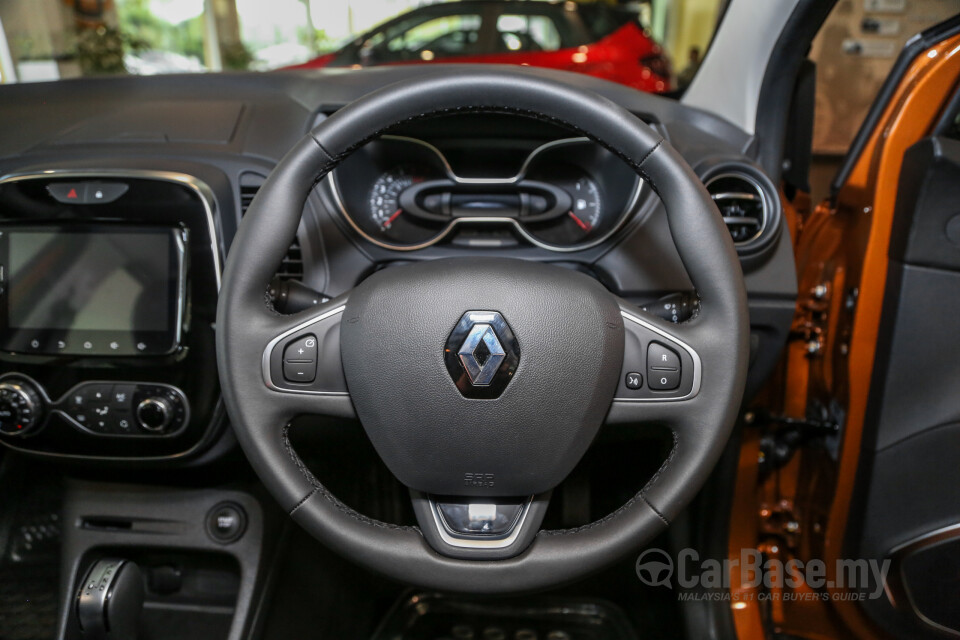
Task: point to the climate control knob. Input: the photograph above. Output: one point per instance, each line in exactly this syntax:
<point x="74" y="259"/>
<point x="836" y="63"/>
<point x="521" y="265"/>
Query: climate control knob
<point x="154" y="414"/>
<point x="21" y="409"/>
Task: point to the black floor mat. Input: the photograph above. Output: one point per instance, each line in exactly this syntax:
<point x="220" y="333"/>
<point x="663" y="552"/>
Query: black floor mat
<point x="437" y="617"/>
<point x="29" y="566"/>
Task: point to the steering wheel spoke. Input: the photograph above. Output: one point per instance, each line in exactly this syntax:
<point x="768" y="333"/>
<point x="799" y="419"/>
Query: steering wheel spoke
<point x="301" y="363"/>
<point x="661" y="370"/>
<point x="479" y="528"/>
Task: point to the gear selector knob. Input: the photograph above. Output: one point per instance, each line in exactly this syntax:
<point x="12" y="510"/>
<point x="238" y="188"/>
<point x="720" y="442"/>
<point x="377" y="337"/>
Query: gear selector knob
<point x="110" y="600"/>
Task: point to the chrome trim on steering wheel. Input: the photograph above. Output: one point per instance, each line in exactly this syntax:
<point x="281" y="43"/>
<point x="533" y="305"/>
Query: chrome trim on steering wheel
<point x="697" y="366"/>
<point x="479" y="542"/>
<point x="265" y="362"/>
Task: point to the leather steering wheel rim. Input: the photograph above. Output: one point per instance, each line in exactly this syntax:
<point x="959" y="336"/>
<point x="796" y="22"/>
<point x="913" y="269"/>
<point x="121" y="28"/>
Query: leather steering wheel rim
<point x="700" y="424"/>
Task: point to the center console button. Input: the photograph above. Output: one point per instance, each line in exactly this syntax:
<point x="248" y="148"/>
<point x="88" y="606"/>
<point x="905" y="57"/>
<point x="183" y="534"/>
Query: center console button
<point x="68" y="192"/>
<point x="154" y="414"/>
<point x="122" y="396"/>
<point x="103" y="192"/>
<point x="226" y="522"/>
<point x="96" y="393"/>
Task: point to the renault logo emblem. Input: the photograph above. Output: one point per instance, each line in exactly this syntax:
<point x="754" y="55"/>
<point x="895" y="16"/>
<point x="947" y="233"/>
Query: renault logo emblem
<point x="482" y="354"/>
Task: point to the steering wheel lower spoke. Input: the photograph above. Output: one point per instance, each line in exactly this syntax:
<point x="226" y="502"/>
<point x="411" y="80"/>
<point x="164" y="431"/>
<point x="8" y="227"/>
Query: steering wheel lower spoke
<point x="475" y="528"/>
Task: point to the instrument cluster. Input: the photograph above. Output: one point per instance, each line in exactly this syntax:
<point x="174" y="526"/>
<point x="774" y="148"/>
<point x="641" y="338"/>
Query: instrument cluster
<point x="402" y="193"/>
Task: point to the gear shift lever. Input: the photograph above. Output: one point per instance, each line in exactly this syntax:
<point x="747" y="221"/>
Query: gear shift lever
<point x="110" y="600"/>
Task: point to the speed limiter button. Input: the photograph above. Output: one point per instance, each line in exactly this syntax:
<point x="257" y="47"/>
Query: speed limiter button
<point x="301" y="349"/>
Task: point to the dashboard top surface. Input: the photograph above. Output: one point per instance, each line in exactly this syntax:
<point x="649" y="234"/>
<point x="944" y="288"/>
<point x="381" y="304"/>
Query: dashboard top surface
<point x="264" y="114"/>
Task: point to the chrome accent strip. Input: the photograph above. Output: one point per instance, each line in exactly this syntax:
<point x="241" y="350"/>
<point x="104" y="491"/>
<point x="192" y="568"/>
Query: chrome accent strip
<point x="624" y="215"/>
<point x="764" y="202"/>
<point x="731" y="195"/>
<point x="697" y="365"/>
<point x="455" y="539"/>
<point x="181" y="239"/>
<point x="265" y="361"/>
<point x="198" y="186"/>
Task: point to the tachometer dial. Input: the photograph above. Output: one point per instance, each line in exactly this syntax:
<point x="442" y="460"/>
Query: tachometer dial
<point x="585" y="216"/>
<point x="587" y="205"/>
<point x="387" y="219"/>
<point x="385" y="196"/>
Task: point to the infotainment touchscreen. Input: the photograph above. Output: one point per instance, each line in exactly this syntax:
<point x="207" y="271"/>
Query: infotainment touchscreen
<point x="91" y="289"/>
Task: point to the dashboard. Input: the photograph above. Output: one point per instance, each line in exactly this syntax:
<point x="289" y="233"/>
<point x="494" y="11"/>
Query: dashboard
<point x="119" y="199"/>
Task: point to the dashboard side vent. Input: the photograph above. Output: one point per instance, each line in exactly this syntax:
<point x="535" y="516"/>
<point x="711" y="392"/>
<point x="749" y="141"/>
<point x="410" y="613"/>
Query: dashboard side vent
<point x="743" y="204"/>
<point x="291" y="268"/>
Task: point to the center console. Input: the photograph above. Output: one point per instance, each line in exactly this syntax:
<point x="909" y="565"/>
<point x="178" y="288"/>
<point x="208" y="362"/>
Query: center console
<point x="108" y="291"/>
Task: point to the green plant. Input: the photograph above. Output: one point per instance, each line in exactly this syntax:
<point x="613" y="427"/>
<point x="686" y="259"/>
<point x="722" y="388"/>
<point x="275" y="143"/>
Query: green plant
<point x="235" y="56"/>
<point x="101" y="50"/>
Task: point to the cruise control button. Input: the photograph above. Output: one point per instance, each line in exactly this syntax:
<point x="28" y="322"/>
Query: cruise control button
<point x="302" y="372"/>
<point x="302" y="349"/>
<point x="662" y="357"/>
<point x="664" y="380"/>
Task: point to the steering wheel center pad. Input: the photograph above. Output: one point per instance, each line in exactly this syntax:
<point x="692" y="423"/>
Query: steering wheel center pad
<point x="527" y="440"/>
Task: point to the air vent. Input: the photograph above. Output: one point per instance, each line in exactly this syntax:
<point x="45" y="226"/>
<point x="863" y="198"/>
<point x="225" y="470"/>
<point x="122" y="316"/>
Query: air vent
<point x="291" y="268"/>
<point x="247" y="192"/>
<point x="743" y="204"/>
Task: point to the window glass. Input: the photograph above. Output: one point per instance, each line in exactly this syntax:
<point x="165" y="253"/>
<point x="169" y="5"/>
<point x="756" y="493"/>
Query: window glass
<point x="527" y="33"/>
<point x="437" y="38"/>
<point x="649" y="45"/>
<point x="854" y="52"/>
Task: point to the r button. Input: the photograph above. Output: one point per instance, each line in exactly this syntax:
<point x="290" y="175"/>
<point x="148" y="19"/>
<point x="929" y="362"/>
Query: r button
<point x="662" y="357"/>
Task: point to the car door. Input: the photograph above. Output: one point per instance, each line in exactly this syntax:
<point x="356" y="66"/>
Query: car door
<point x="859" y="441"/>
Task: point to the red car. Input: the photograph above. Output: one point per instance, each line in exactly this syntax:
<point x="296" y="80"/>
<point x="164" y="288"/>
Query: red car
<point x="595" y="39"/>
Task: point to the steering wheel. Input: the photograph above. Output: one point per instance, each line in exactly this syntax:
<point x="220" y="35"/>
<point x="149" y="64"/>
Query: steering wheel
<point x="481" y="382"/>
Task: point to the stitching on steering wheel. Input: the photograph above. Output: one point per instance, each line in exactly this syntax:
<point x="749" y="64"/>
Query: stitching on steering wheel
<point x="637" y="166"/>
<point x="637" y="496"/>
<point x="318" y="488"/>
